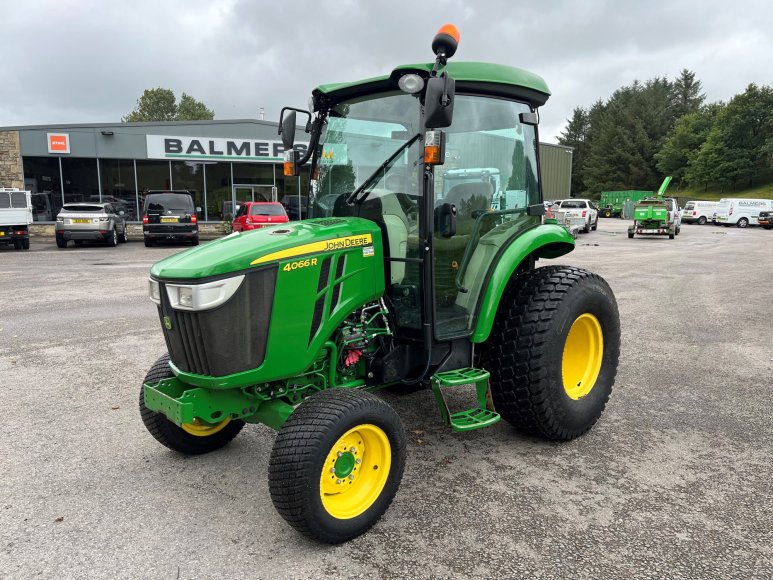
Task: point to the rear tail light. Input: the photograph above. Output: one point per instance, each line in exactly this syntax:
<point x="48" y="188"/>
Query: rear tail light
<point x="583" y="213"/>
<point x="695" y="213"/>
<point x="194" y="219"/>
<point x="144" y="219"/>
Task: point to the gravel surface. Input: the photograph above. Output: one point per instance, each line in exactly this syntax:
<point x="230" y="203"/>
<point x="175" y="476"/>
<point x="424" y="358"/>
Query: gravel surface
<point x="674" y="481"/>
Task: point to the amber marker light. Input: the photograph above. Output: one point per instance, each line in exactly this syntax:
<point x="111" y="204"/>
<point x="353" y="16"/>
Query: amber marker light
<point x="433" y="147"/>
<point x="289" y="163"/>
<point x="446" y="40"/>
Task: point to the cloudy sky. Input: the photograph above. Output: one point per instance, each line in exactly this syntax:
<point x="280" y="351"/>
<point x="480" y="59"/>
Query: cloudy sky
<point x="78" y="62"/>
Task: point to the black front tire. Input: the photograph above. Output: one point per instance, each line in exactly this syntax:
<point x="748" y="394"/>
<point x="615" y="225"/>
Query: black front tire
<point x="702" y="221"/>
<point x="300" y="458"/>
<point x="742" y="223"/>
<point x="174" y="437"/>
<point x="630" y="236"/>
<point x="525" y="351"/>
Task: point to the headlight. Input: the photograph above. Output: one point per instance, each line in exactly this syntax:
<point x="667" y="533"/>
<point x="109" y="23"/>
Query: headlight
<point x="155" y="291"/>
<point x="410" y="83"/>
<point x="202" y="296"/>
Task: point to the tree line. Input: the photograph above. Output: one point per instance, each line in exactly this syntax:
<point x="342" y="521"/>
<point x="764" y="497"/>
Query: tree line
<point x="646" y="131"/>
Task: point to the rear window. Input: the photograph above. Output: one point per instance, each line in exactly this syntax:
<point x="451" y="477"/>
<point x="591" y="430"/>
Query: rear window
<point x="84" y="208"/>
<point x="168" y="202"/>
<point x="272" y="210"/>
<point x="573" y="205"/>
<point x="690" y="205"/>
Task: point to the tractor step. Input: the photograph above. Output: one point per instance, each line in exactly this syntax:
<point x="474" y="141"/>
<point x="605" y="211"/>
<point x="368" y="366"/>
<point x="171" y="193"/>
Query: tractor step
<point x="469" y="419"/>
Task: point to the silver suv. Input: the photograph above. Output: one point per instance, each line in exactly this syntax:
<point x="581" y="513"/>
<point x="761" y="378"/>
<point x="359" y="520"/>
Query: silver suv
<point x="88" y="221"/>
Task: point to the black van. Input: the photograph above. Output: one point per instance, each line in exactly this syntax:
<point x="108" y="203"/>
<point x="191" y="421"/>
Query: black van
<point x="169" y="215"/>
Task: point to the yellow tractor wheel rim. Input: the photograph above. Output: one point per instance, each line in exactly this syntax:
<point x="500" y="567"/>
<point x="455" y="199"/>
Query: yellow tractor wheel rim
<point x="583" y="352"/>
<point x="355" y="471"/>
<point x="201" y="429"/>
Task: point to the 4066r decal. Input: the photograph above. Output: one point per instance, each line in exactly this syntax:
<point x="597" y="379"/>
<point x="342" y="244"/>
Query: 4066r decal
<point x="289" y="267"/>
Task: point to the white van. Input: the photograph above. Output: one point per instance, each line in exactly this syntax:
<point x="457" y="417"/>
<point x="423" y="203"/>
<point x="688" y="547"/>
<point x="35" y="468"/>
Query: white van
<point x="699" y="212"/>
<point x="741" y="212"/>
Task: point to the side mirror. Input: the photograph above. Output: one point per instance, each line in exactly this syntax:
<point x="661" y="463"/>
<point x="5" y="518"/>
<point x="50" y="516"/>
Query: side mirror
<point x="439" y="101"/>
<point x="121" y="212"/>
<point x="445" y="220"/>
<point x="287" y="125"/>
<point x="287" y="130"/>
<point x="198" y="209"/>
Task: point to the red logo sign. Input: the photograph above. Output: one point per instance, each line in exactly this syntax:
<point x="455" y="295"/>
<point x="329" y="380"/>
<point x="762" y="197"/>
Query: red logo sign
<point x="58" y="143"/>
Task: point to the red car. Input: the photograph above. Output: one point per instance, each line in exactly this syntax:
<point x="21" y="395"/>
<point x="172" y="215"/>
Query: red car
<point x="258" y="214"/>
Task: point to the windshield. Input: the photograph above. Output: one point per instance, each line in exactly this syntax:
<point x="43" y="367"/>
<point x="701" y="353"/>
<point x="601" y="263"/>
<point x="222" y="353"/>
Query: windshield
<point x="573" y="205"/>
<point x="358" y="137"/>
<point x="83" y="208"/>
<point x="267" y="209"/>
<point x="169" y="202"/>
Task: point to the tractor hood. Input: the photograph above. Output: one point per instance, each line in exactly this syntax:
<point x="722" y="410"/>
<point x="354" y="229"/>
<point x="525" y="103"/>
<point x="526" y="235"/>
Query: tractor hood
<point x="245" y="250"/>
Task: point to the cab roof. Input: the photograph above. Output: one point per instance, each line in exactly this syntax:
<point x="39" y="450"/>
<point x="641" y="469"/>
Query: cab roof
<point x="471" y="77"/>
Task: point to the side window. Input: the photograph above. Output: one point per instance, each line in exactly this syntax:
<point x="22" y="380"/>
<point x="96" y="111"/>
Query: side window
<point x="109" y="209"/>
<point x="490" y="176"/>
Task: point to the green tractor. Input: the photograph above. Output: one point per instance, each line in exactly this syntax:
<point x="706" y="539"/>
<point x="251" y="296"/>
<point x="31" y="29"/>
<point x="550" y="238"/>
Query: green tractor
<point x="395" y="280"/>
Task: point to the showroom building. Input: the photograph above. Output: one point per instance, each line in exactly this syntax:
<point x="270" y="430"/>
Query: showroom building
<point x="221" y="162"/>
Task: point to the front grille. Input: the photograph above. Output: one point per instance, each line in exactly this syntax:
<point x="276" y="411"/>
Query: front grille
<point x="224" y="340"/>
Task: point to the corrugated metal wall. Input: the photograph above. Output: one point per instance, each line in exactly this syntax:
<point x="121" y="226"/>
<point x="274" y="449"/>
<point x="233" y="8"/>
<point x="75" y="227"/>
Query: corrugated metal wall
<point x="556" y="170"/>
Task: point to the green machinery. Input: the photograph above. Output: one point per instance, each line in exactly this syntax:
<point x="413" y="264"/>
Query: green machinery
<point x="656" y="215"/>
<point x="400" y="277"/>
<point x="611" y="202"/>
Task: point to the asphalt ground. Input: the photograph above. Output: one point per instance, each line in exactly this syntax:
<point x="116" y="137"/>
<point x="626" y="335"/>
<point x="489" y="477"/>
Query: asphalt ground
<point x="675" y="481"/>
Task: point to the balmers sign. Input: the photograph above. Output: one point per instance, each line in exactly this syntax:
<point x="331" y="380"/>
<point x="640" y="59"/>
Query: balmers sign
<point x="217" y="148"/>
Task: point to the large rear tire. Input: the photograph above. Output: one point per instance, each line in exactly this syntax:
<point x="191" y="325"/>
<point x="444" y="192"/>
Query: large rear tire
<point x="336" y="464"/>
<point x="553" y="351"/>
<point x="60" y="241"/>
<point x="192" y="438"/>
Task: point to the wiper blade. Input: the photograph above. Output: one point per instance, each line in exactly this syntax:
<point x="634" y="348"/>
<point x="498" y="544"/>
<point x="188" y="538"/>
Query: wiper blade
<point x="352" y="198"/>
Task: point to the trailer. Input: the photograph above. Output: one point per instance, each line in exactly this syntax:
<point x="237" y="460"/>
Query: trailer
<point x="15" y="218"/>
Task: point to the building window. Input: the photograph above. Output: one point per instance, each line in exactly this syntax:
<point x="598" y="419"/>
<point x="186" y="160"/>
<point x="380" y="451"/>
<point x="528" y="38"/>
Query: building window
<point x="219" y="206"/>
<point x="118" y="185"/>
<point x="190" y="175"/>
<point x="152" y="175"/>
<point x="41" y="177"/>
<point x="80" y="179"/>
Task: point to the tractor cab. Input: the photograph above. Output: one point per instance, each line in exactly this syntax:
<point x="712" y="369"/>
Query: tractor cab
<point x="443" y="157"/>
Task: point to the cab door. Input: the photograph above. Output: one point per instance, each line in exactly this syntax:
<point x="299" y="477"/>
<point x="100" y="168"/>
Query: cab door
<point x="486" y="138"/>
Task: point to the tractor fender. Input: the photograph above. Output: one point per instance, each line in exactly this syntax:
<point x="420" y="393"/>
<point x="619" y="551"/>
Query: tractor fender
<point x="543" y="241"/>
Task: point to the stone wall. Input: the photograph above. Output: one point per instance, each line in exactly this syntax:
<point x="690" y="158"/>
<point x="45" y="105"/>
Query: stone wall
<point x="10" y="160"/>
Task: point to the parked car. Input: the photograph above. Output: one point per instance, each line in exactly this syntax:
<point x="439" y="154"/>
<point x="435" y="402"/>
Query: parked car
<point x="253" y="215"/>
<point x="169" y="215"/>
<point x="765" y="219"/>
<point x="580" y="208"/>
<point x="699" y="212"/>
<point x="741" y="212"/>
<point x="90" y="221"/>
